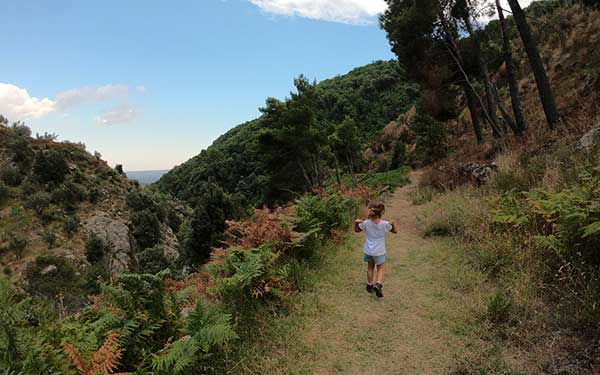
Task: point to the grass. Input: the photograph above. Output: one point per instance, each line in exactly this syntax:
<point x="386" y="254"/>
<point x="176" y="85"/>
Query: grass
<point x="433" y="318"/>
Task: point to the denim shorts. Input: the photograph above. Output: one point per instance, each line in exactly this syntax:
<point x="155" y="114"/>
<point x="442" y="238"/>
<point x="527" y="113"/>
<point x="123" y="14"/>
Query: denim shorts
<point x="378" y="259"/>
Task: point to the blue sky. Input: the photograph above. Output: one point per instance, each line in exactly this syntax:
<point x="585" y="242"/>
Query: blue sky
<point x="151" y="83"/>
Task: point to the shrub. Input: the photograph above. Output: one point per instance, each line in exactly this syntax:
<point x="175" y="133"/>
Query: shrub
<point x="458" y="212"/>
<point x="139" y="201"/>
<point x="71" y="225"/>
<point x="94" y="195"/>
<point x="93" y="277"/>
<point x="145" y="228"/>
<point x="421" y="195"/>
<point x="245" y="275"/>
<point x="38" y="202"/>
<point x="388" y="180"/>
<point x="50" y="166"/>
<point x="11" y="176"/>
<point x="265" y="227"/>
<point x="17" y="245"/>
<point x="314" y="212"/>
<point x="50" y="238"/>
<point x="21" y="152"/>
<point x="399" y="156"/>
<point x="69" y="194"/>
<point x="152" y="260"/>
<point x="4" y="192"/>
<point x="51" y="276"/>
<point x="95" y="248"/>
<point x="499" y="307"/>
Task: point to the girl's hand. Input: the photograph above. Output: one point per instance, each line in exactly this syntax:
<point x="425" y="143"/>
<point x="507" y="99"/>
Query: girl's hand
<point x="357" y="222"/>
<point x="394" y="227"/>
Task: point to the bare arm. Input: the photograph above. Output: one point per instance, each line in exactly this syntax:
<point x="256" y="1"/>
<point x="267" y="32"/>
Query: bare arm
<point x="356" y="225"/>
<point x="394" y="227"/>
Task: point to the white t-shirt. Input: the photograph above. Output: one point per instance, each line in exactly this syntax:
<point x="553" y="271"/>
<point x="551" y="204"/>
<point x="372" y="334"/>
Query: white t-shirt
<point x="375" y="236"/>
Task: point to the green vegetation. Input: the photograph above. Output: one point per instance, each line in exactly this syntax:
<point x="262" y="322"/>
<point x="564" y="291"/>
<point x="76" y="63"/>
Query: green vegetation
<point x="318" y="121"/>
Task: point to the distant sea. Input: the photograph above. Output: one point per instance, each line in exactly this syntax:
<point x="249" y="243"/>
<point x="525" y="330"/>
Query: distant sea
<point x="145" y="177"/>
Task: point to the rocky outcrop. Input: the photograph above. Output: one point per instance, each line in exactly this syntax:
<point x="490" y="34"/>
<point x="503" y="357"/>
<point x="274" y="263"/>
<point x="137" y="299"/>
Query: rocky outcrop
<point x="117" y="237"/>
<point x="479" y="173"/>
<point x="587" y="141"/>
<point x="170" y="243"/>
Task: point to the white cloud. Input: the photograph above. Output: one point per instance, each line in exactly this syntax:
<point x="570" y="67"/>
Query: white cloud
<point x="354" y="12"/>
<point x="17" y="104"/>
<point x="81" y="95"/>
<point x="119" y="115"/>
<point x="141" y="89"/>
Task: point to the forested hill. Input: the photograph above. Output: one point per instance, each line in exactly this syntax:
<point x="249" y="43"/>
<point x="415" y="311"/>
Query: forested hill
<point x="343" y="111"/>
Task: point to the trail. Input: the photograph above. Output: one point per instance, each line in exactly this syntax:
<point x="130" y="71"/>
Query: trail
<point x="402" y="333"/>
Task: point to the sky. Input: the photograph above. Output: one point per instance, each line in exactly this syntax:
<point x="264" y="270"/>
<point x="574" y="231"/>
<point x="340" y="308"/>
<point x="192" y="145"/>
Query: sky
<point x="149" y="84"/>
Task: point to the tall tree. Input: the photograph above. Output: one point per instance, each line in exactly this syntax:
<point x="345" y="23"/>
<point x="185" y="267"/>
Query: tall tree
<point x="543" y="84"/>
<point x="464" y="11"/>
<point x="511" y="73"/>
<point x="416" y="30"/>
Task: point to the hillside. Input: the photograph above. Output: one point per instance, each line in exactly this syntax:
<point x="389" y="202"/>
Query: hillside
<point x="57" y="198"/>
<point x="370" y="96"/>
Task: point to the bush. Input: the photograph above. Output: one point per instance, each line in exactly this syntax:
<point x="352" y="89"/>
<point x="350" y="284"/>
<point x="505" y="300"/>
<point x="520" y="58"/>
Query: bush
<point x="388" y="180"/>
<point x="145" y="228"/>
<point x="71" y="225"/>
<point x="21" y="152"/>
<point x="246" y="275"/>
<point x="152" y="260"/>
<point x="69" y="194"/>
<point x="140" y="201"/>
<point x="456" y="213"/>
<point x="52" y="277"/>
<point x="94" y="195"/>
<point x="38" y="202"/>
<point x="11" y="176"/>
<point x="421" y="195"/>
<point x="499" y="307"/>
<point x="50" y="166"/>
<point x="17" y="245"/>
<point x="314" y="212"/>
<point x="50" y="238"/>
<point x="4" y="192"/>
<point x="95" y="249"/>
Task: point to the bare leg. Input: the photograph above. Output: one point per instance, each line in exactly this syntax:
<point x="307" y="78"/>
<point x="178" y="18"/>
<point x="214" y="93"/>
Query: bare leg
<point x="380" y="272"/>
<point x="370" y="272"/>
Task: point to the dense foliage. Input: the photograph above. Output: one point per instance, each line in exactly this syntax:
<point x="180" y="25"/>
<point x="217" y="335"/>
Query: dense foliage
<point x="330" y="120"/>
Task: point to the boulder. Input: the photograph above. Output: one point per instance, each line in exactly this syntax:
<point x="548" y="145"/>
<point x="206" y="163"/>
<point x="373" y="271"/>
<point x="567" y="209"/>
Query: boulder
<point x="587" y="141"/>
<point x="170" y="243"/>
<point x="118" y="239"/>
<point x="480" y="173"/>
<point x="48" y="269"/>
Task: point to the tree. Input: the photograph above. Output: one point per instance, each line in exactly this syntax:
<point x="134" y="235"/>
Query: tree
<point x="464" y="11"/>
<point x="420" y="32"/>
<point x="292" y="141"/>
<point x="145" y="228"/>
<point x="95" y="248"/>
<point x="345" y="144"/>
<point x="207" y="223"/>
<point x="50" y="166"/>
<point x="511" y="73"/>
<point x="537" y="66"/>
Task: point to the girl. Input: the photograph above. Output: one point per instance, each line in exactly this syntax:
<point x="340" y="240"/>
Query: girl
<point x="374" y="250"/>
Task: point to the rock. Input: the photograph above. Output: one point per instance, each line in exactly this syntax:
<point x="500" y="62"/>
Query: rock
<point x="48" y="269"/>
<point x="587" y="141"/>
<point x="479" y="173"/>
<point x="170" y="243"/>
<point x="117" y="237"/>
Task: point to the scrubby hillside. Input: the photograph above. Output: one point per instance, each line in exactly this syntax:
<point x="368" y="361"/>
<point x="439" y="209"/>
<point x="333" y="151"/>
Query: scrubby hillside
<point x="61" y="204"/>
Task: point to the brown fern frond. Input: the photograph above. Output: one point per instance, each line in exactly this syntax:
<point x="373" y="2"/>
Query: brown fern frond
<point x="107" y="358"/>
<point x="76" y="358"/>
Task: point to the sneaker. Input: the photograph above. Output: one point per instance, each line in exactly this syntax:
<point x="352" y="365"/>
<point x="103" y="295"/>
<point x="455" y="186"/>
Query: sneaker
<point x="369" y="288"/>
<point x="377" y="289"/>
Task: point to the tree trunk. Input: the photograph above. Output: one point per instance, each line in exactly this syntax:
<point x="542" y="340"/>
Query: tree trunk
<point x="351" y="165"/>
<point x="543" y="84"/>
<point x="471" y="104"/>
<point x="470" y="93"/>
<point x="306" y="178"/>
<point x="511" y="72"/>
<point x="337" y="169"/>
<point x="509" y="121"/>
<point x="489" y="96"/>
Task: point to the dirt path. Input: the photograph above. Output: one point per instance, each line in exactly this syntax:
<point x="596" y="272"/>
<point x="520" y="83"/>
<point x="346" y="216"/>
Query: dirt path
<point x="418" y="328"/>
<point x="402" y="333"/>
